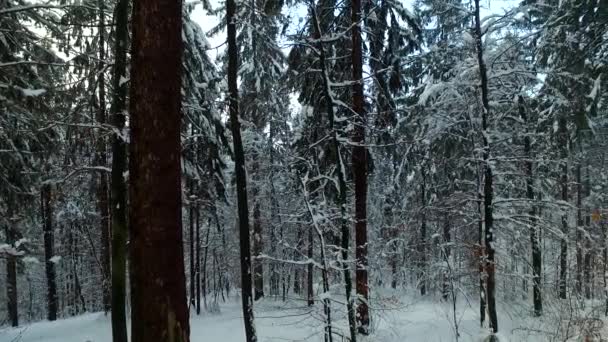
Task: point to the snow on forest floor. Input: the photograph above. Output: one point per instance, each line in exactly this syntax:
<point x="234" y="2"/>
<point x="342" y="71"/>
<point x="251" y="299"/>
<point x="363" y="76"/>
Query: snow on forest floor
<point x="396" y="321"/>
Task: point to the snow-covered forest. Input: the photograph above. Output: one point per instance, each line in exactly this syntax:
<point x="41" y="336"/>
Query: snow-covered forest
<point x="303" y="170"/>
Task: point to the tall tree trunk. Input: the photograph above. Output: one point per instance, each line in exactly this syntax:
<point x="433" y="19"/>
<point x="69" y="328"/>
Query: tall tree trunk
<point x="534" y="229"/>
<point x="563" y="265"/>
<point x="605" y="264"/>
<point x="328" y="333"/>
<point x="422" y="238"/>
<point x="490" y="265"/>
<point x="447" y="251"/>
<point x="258" y="266"/>
<point x="579" y="227"/>
<point x="310" y="292"/>
<point x="359" y="165"/>
<point x="341" y="197"/>
<point x="118" y="183"/>
<point x="198" y="260"/>
<point x="49" y="252"/>
<point x="481" y="261"/>
<point x="101" y="160"/>
<point x="274" y="217"/>
<point x="192" y="252"/>
<point x="587" y="245"/>
<point x="158" y="291"/>
<point x="11" y="268"/>
<point x="241" y="180"/>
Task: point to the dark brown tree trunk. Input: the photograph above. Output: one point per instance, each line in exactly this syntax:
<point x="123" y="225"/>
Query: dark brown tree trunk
<point x="589" y="256"/>
<point x="204" y="270"/>
<point x="158" y="291"/>
<point x="118" y="183"/>
<point x="488" y="192"/>
<point x="563" y="265"/>
<point x="49" y="252"/>
<point x="481" y="262"/>
<point x="11" y="269"/>
<point x="101" y="160"/>
<point x="258" y="266"/>
<point x="422" y="238"/>
<point x="605" y="264"/>
<point x="241" y="180"/>
<point x="192" y="251"/>
<point x="579" y="227"/>
<point x="310" y="292"/>
<point x="447" y="250"/>
<point x="359" y="165"/>
<point x="534" y="229"/>
<point x="340" y="200"/>
<point x="274" y="218"/>
<point x="198" y="260"/>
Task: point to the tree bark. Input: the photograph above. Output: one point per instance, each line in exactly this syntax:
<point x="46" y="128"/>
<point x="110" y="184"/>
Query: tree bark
<point x="192" y="251"/>
<point x="101" y="160"/>
<point x="422" y="238"/>
<point x="241" y="180"/>
<point x="447" y="250"/>
<point x="198" y="260"/>
<point x="579" y="226"/>
<point x="490" y="265"/>
<point x="341" y="196"/>
<point x="11" y="269"/>
<point x="49" y="252"/>
<point x="158" y="291"/>
<point x="563" y="265"/>
<point x="310" y="293"/>
<point x="118" y="185"/>
<point x="589" y="256"/>
<point x="359" y="165"/>
<point x="258" y="266"/>
<point x="534" y="229"/>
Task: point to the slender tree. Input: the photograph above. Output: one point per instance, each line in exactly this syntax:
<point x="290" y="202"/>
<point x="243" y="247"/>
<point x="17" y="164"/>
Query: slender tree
<point x="118" y="182"/>
<point x="49" y="251"/>
<point x="241" y="177"/>
<point x="488" y="191"/>
<point x="101" y="161"/>
<point x="11" y="268"/>
<point x="534" y="230"/>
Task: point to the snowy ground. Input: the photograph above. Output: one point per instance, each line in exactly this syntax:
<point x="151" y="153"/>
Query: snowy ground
<point x="396" y="321"/>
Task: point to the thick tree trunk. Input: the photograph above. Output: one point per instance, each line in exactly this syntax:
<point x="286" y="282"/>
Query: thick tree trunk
<point x="49" y="252"/>
<point x="118" y="183"/>
<point x="241" y="180"/>
<point x="359" y="165"/>
<point x="158" y="291"/>
<point x="488" y="192"/>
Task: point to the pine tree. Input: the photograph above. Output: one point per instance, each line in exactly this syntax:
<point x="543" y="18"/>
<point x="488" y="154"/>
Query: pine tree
<point x="158" y="296"/>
